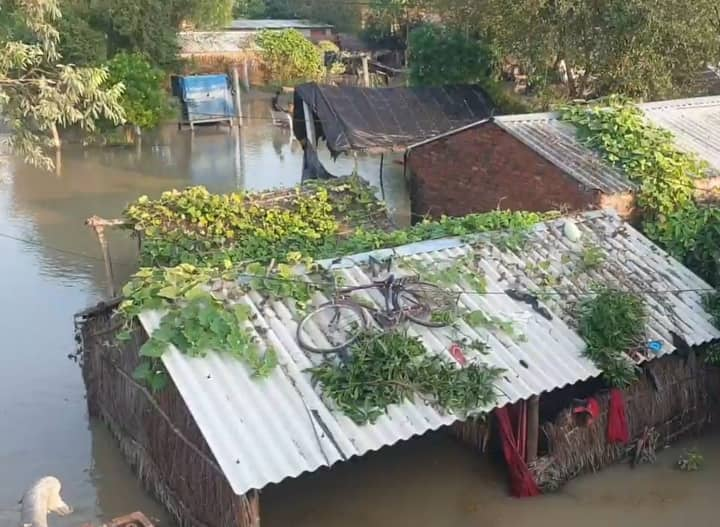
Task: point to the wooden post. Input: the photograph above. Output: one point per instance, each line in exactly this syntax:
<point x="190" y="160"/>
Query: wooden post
<point x="246" y="75"/>
<point x="533" y="428"/>
<point x="366" y="71"/>
<point x="382" y="186"/>
<point x="309" y="124"/>
<point x="236" y="89"/>
<point x="98" y="225"/>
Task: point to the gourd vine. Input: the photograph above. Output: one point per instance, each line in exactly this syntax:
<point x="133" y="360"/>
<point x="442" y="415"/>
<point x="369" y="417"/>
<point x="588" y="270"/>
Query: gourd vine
<point x="665" y="176"/>
<point x="612" y="323"/>
<point x="208" y="250"/>
<point x="618" y="130"/>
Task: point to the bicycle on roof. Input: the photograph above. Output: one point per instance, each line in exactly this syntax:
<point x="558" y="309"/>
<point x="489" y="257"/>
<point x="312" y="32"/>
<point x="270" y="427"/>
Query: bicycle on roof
<point x="335" y="325"/>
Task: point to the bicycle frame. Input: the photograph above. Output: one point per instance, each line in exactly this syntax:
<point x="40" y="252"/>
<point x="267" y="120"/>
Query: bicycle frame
<point x="389" y="287"/>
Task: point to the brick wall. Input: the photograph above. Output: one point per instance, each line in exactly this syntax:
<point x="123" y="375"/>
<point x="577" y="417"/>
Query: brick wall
<point x="485" y="167"/>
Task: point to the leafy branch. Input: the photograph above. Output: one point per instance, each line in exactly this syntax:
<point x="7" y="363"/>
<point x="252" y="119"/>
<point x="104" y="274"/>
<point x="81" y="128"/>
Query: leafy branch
<point x="612" y="323"/>
<point x="390" y="368"/>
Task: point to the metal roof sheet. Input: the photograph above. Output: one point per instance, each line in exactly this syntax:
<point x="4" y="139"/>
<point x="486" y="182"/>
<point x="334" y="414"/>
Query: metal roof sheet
<point x="263" y="431"/>
<point x="557" y="142"/>
<point x="694" y="122"/>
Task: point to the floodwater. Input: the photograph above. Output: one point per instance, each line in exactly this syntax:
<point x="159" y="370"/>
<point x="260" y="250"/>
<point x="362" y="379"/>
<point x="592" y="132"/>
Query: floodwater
<point x="50" y="268"/>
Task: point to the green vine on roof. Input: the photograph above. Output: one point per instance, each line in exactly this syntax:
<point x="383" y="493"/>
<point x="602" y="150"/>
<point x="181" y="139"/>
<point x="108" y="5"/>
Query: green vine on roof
<point x="196" y="227"/>
<point x="612" y="323"/>
<point x="666" y="177"/>
<point x="210" y="244"/>
<point x="618" y="130"/>
<point x="202" y="312"/>
<point x="392" y="367"/>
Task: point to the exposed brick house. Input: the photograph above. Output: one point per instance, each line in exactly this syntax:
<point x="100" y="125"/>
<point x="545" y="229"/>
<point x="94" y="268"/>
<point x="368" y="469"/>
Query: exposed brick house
<point x="535" y="162"/>
<point x="520" y="162"/>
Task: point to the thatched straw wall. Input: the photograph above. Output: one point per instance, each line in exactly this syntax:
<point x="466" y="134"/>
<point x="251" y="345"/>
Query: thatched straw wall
<point x="157" y="434"/>
<point x="258" y="73"/>
<point x="474" y="432"/>
<point x="683" y="402"/>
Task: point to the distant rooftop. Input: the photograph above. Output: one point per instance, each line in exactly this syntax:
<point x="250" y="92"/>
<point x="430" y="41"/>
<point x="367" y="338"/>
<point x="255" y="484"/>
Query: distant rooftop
<point x="247" y="24"/>
<point x="695" y="123"/>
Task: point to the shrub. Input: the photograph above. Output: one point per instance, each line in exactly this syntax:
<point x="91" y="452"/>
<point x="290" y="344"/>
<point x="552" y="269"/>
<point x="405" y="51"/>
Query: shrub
<point x="290" y="57"/>
<point x="145" y="100"/>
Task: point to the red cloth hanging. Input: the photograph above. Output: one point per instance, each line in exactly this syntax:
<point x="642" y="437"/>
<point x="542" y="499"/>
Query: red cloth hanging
<point x="617" y="430"/>
<point x="522" y="482"/>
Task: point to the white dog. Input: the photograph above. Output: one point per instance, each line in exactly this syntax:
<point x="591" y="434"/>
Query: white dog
<point x="40" y="500"/>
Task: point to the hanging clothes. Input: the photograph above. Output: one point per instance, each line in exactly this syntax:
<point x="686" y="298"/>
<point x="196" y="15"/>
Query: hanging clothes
<point x="617" y="431"/>
<point x="522" y="482"/>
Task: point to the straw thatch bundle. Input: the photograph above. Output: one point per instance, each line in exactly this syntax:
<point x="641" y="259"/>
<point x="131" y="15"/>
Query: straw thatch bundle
<point x="673" y="399"/>
<point x="157" y="434"/>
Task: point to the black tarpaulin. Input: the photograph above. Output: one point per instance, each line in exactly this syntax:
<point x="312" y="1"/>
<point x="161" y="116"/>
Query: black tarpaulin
<point x="383" y="119"/>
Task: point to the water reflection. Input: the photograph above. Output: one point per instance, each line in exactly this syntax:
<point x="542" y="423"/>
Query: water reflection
<point x="51" y="268"/>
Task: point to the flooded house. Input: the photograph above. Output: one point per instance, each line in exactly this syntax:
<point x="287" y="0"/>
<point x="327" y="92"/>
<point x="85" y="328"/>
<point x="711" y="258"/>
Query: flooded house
<point x="381" y="121"/>
<point x="538" y="162"/>
<point x="213" y="51"/>
<point x="209" y="443"/>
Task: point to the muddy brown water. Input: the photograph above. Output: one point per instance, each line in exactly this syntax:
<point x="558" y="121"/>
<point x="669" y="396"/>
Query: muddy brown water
<point x="50" y="269"/>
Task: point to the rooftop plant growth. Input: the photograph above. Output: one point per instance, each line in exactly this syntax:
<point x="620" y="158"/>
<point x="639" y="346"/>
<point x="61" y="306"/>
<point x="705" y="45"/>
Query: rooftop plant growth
<point x="197" y="227"/>
<point x="665" y="176"/>
<point x="214" y="247"/>
<point x="612" y="323"/>
<point x="389" y="368"/>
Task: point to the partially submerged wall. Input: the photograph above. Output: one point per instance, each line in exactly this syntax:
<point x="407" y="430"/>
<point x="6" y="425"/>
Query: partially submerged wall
<point x="678" y="396"/>
<point x="156" y="432"/>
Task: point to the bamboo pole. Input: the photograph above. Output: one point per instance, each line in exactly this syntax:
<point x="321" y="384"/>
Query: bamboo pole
<point x="98" y="225"/>
<point x="309" y="124"/>
<point x="366" y="71"/>
<point x="238" y="102"/>
<point x="533" y="428"/>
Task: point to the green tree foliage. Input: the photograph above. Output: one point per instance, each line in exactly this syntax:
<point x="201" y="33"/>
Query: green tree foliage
<point x="250" y="9"/>
<point x="640" y="48"/>
<point x="446" y="56"/>
<point x="38" y="94"/>
<point x="208" y="14"/>
<point x="145" y="99"/>
<point x="80" y="43"/>
<point x="290" y="57"/>
<point x="146" y="26"/>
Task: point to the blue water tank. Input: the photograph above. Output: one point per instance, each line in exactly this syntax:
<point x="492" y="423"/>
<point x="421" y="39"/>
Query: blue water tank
<point x="205" y="98"/>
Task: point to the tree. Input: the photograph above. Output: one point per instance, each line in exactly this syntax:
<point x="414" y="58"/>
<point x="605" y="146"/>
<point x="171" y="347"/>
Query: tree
<point x="250" y="9"/>
<point x="208" y="14"/>
<point x="144" y="101"/>
<point x="38" y="93"/>
<point x="289" y="56"/>
<point x="640" y="48"/>
<point x="80" y="43"/>
<point x="446" y="56"/>
<point x="151" y="26"/>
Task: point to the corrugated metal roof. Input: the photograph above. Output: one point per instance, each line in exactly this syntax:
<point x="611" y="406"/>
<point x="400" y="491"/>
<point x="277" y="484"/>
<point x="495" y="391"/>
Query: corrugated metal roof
<point x="694" y="122"/>
<point x="246" y="24"/>
<point x="557" y="142"/>
<point x="263" y="431"/>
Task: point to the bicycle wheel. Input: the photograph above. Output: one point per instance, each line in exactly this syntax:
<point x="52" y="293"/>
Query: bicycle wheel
<point x="427" y="304"/>
<point x="331" y="328"/>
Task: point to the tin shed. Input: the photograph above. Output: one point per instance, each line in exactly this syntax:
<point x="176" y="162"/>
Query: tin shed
<point x="204" y="98"/>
